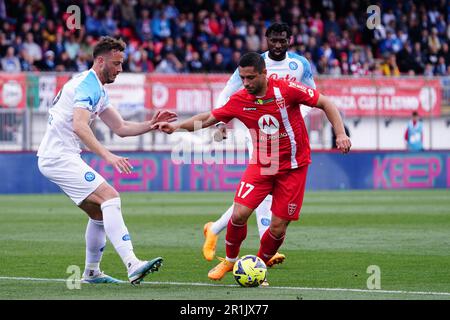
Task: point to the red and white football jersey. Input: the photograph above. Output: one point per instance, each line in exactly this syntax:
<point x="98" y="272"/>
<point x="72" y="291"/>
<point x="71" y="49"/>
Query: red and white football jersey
<point x="277" y="128"/>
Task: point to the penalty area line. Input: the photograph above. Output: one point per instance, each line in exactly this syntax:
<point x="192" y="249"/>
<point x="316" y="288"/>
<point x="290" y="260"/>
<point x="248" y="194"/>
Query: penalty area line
<point x="201" y="284"/>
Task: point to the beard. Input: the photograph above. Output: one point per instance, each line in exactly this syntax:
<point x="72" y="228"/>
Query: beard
<point x="108" y="77"/>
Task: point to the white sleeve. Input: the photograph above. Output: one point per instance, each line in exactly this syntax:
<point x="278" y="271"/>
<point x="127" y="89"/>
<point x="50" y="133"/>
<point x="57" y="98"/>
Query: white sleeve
<point x="233" y="85"/>
<point x="307" y="79"/>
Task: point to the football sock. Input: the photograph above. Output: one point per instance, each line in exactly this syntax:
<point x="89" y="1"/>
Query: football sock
<point x="233" y="240"/>
<point x="264" y="215"/>
<point x="269" y="245"/>
<point x="95" y="243"/>
<point x="222" y="222"/>
<point x="117" y="232"/>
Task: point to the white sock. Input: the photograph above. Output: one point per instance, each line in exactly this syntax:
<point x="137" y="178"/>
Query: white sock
<point x="222" y="222"/>
<point x="95" y="243"/>
<point x="231" y="260"/>
<point x="117" y="232"/>
<point x="264" y="215"/>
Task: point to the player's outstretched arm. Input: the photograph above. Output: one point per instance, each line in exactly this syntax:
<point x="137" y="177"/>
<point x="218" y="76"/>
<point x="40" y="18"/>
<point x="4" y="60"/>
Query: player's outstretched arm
<point x="83" y="131"/>
<point x="199" y="121"/>
<point x="112" y="118"/>
<point x="343" y="142"/>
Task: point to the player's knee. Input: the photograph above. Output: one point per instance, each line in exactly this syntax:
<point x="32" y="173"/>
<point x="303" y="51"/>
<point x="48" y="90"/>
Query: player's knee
<point x="107" y="192"/>
<point x="278" y="229"/>
<point x="111" y="194"/>
<point x="240" y="214"/>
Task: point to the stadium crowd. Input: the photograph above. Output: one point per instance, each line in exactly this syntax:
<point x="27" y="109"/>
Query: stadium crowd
<point x="178" y="36"/>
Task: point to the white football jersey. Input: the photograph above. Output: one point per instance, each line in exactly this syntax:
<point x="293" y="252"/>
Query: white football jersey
<point x="294" y="68"/>
<point x="83" y="91"/>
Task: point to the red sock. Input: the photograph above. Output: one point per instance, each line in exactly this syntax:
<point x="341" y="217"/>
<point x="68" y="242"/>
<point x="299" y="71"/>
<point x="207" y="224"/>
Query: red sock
<point x="269" y="245"/>
<point x="233" y="240"/>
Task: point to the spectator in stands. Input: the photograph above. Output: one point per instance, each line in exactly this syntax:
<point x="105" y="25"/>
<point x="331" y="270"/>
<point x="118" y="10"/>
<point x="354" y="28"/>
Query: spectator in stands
<point x="218" y="65"/>
<point x="421" y="25"/>
<point x="335" y="69"/>
<point x="195" y="64"/>
<point x="161" y="26"/>
<point x="444" y="52"/>
<point x="10" y="63"/>
<point x="32" y="49"/>
<point x="169" y="64"/>
<point x="429" y="70"/>
<point x="48" y="62"/>
<point x="144" y="26"/>
<point x="127" y="13"/>
<point x="434" y="43"/>
<point x="252" y="39"/>
<point x="233" y="65"/>
<point x="65" y="64"/>
<point x="94" y="24"/>
<point x="389" y="66"/>
<point x="406" y="60"/>
<point x="441" y="67"/>
<point x="81" y="63"/>
<point x="109" y="25"/>
<point x="72" y="46"/>
<point x="419" y="57"/>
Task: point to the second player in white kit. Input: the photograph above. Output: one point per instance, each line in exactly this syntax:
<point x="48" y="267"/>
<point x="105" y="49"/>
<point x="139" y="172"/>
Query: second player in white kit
<point x="279" y="64"/>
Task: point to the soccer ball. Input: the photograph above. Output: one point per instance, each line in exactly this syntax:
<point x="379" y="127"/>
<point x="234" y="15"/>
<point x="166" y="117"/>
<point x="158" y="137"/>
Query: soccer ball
<point x="249" y="271"/>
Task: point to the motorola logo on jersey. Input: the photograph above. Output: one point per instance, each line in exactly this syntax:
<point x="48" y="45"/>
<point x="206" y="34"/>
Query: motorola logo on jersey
<point x="268" y="124"/>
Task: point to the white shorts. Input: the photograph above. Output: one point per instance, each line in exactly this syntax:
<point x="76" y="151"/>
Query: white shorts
<point x="75" y="178"/>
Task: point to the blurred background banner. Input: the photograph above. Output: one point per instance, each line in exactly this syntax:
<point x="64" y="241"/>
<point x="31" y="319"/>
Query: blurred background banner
<point x="376" y="110"/>
<point x="155" y="171"/>
<point x="186" y="94"/>
<point x="384" y="96"/>
<point x="13" y="90"/>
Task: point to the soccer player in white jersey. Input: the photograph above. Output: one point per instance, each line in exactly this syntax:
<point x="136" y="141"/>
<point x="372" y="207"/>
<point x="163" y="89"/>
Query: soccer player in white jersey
<point x="74" y="108"/>
<point x="279" y="64"/>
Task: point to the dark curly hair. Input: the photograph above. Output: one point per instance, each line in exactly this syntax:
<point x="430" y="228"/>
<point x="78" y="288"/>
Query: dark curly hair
<point x="279" y="28"/>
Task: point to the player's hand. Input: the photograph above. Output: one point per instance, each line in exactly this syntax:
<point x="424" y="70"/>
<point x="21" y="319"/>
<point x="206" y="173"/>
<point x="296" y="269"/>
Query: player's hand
<point x="343" y="143"/>
<point x="165" y="127"/>
<point x="163" y="116"/>
<point x="220" y="133"/>
<point x="121" y="164"/>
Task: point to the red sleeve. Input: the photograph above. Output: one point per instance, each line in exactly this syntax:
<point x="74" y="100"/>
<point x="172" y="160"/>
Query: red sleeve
<point x="301" y="94"/>
<point x="225" y="113"/>
<point x="406" y="135"/>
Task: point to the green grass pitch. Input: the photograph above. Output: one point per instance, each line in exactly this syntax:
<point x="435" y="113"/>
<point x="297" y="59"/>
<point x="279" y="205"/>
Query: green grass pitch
<point x="339" y="235"/>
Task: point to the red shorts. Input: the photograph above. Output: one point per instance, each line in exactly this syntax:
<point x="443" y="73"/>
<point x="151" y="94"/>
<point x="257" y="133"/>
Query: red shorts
<point x="286" y="187"/>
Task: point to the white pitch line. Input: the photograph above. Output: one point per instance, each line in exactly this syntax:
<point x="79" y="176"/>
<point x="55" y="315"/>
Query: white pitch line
<point x="200" y="284"/>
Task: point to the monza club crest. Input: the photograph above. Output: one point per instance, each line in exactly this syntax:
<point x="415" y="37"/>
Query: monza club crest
<point x="291" y="208"/>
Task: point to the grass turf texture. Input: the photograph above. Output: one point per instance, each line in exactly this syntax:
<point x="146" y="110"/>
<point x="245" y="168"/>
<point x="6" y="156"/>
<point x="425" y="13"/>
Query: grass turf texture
<point x="339" y="234"/>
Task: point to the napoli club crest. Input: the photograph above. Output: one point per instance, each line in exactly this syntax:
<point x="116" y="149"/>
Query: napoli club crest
<point x="293" y="65"/>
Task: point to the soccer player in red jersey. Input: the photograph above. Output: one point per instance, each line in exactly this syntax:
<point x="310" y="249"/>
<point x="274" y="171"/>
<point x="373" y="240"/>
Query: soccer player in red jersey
<point x="269" y="109"/>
